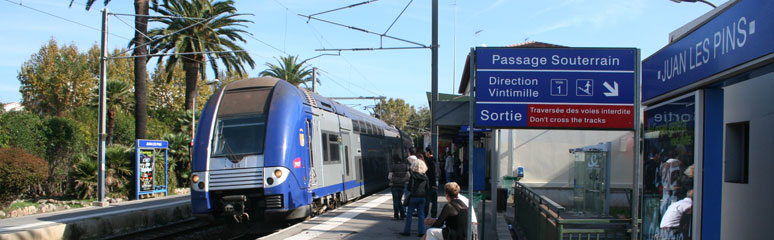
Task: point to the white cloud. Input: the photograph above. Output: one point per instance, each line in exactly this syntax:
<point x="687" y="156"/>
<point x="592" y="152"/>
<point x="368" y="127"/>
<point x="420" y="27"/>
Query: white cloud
<point x="598" y="15"/>
<point x="489" y="8"/>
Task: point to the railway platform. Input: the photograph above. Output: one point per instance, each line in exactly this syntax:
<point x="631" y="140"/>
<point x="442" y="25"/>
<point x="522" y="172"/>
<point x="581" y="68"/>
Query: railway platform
<point x="371" y="218"/>
<point x="98" y="222"/>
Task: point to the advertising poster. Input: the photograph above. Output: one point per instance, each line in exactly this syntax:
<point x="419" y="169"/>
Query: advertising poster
<point x="146" y="170"/>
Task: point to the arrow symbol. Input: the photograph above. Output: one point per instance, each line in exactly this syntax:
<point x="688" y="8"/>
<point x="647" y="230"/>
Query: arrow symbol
<point x="613" y="90"/>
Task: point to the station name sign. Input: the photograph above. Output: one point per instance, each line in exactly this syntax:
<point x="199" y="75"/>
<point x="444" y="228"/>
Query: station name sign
<point x="572" y="88"/>
<point x="142" y="143"/>
<point x="743" y="32"/>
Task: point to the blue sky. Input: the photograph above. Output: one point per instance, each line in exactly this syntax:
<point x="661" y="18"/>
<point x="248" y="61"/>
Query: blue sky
<point x="278" y="30"/>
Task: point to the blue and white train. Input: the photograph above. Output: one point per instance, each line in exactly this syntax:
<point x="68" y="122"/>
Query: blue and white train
<point x="266" y="149"/>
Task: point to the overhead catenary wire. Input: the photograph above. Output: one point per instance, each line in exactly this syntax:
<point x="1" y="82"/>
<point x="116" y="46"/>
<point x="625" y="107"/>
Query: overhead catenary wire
<point x="322" y="40"/>
<point x="345" y="7"/>
<point x="62" y="18"/>
<point x="401" y="14"/>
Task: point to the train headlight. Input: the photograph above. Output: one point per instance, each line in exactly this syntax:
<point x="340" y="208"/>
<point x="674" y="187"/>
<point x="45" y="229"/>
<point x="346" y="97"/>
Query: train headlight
<point x="275" y="176"/>
<point x="195" y="178"/>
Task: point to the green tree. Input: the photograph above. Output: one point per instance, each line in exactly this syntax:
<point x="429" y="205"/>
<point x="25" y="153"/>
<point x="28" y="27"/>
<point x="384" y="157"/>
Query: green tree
<point x="23" y="130"/>
<point x="118" y="100"/>
<point x="141" y="9"/>
<point x="55" y="80"/>
<point x="64" y="141"/>
<point x="419" y="122"/>
<point x="394" y="111"/>
<point x="118" y="170"/>
<point x="85" y="174"/>
<point x="288" y="70"/>
<point x="212" y="35"/>
<point x="119" y="69"/>
<point x="227" y="77"/>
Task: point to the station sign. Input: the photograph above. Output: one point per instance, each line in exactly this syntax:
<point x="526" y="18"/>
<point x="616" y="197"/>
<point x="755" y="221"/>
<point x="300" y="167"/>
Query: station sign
<point x="152" y="143"/>
<point x="742" y="33"/>
<point x="570" y="88"/>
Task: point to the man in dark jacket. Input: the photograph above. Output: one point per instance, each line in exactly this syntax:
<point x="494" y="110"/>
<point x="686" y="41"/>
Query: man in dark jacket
<point x="431" y="204"/>
<point x="399" y="177"/>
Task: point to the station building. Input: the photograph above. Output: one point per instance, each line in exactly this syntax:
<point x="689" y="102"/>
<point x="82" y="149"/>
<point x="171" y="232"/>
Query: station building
<point x="709" y="123"/>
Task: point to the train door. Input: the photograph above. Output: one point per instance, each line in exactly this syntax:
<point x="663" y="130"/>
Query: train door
<point x="348" y="175"/>
<point x="358" y="168"/>
<point x="310" y="164"/>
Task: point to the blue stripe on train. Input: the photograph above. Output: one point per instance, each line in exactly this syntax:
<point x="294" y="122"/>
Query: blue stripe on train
<point x="328" y="190"/>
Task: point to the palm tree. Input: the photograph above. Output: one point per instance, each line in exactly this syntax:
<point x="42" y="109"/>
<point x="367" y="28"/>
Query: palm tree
<point x="140" y="62"/>
<point x="118" y="99"/>
<point x="289" y="70"/>
<point x="205" y="29"/>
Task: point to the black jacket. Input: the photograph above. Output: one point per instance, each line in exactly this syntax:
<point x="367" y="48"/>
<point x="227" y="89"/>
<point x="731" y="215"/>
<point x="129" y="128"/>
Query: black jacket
<point x="399" y="175"/>
<point x="418" y="185"/>
<point x="432" y="171"/>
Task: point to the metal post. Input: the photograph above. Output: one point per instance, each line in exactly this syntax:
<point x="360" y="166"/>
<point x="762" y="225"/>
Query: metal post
<point x="102" y="105"/>
<point x="434" y="78"/>
<point x="608" y="168"/>
<point x="637" y="156"/>
<point x="314" y="78"/>
<point x="471" y="121"/>
<point x="193" y="118"/>
<point x="494" y="175"/>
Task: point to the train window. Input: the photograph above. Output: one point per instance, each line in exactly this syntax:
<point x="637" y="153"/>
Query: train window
<point x="370" y="128"/>
<point x="346" y="158"/>
<point x="355" y="127"/>
<point x="333" y="143"/>
<point x="239" y="135"/>
<point x="325" y="148"/>
<point x="309" y="142"/>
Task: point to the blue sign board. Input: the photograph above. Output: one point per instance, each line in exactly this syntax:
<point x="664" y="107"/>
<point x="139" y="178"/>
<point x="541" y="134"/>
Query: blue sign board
<point x="146" y="154"/>
<point x="142" y="143"/>
<point x="555" y="87"/>
<point x="745" y="31"/>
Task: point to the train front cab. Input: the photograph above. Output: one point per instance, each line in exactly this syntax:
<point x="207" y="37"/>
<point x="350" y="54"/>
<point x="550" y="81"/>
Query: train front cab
<point x="251" y="154"/>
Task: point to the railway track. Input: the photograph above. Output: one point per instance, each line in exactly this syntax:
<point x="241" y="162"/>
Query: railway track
<point x="193" y="228"/>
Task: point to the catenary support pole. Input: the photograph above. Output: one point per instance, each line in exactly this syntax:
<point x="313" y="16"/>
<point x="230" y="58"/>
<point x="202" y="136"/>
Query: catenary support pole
<point x="434" y="79"/>
<point x="637" y="155"/>
<point x="102" y="105"/>
<point x="471" y="121"/>
<point x="314" y="78"/>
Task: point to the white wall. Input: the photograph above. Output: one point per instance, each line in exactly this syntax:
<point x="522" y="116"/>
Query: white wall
<point x="747" y="208"/>
<point x="545" y="156"/>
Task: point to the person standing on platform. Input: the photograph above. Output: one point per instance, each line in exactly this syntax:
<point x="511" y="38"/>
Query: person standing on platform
<point x="431" y="205"/>
<point x="412" y="156"/>
<point x="449" y="167"/>
<point x="399" y="177"/>
<point x="418" y="187"/>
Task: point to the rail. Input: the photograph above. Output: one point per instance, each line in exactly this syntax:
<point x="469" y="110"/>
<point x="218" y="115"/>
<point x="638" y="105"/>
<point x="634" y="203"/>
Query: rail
<point x="541" y="218"/>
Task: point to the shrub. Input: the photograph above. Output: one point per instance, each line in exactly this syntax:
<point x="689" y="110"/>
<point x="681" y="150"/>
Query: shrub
<point x="123" y="131"/>
<point x="23" y="130"/>
<point x="18" y="171"/>
<point x="65" y="139"/>
<point x="119" y="173"/>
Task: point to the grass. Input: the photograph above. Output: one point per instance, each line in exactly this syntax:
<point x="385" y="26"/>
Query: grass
<point x="19" y="205"/>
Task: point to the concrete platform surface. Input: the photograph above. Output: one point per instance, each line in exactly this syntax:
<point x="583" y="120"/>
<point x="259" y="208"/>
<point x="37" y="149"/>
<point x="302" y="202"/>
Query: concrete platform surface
<point x="96" y="222"/>
<point x="368" y="218"/>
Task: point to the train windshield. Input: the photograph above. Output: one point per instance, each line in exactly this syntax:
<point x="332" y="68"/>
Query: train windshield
<point x="241" y="123"/>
